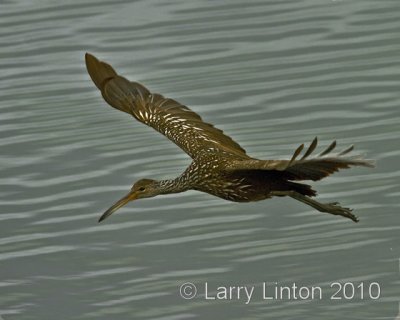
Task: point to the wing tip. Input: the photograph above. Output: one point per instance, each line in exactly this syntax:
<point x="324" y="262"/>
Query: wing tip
<point x="89" y="56"/>
<point x="99" y="71"/>
<point x="369" y="163"/>
<point x="91" y="62"/>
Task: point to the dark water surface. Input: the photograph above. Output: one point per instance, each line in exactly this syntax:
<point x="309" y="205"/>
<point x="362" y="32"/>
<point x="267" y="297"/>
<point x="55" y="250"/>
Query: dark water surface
<point x="272" y="74"/>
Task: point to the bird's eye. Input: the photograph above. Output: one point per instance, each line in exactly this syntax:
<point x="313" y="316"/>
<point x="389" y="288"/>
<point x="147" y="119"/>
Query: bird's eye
<point x="142" y="188"/>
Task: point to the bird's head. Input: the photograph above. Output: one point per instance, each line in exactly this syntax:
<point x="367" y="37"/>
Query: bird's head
<point x="143" y="188"/>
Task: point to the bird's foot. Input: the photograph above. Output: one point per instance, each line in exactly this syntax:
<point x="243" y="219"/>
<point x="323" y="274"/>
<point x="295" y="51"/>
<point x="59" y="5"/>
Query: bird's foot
<point x="336" y="209"/>
<point x="332" y="207"/>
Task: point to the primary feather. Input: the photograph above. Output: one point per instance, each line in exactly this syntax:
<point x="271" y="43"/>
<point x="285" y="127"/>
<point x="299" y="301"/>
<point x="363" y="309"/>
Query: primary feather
<point x="172" y="119"/>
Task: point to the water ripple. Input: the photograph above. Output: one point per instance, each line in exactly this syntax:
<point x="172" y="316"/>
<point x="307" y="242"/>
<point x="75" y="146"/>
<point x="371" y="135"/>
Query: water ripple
<point x="272" y="75"/>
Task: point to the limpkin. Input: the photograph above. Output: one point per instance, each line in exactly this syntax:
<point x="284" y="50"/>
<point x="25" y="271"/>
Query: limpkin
<point x="220" y="166"/>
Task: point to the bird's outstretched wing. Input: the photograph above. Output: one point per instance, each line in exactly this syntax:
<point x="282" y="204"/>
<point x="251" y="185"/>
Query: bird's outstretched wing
<point x="305" y="168"/>
<point x="177" y="122"/>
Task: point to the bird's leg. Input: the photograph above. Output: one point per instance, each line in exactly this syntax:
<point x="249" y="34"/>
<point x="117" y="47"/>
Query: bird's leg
<point x="332" y="207"/>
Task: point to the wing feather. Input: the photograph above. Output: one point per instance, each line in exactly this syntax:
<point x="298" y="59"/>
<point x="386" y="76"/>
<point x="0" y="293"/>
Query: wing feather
<point x="306" y="168"/>
<point x="172" y="119"/>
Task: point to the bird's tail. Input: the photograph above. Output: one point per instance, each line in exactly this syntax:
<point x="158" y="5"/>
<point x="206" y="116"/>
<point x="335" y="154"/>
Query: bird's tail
<point x="322" y="165"/>
<point x="307" y="167"/>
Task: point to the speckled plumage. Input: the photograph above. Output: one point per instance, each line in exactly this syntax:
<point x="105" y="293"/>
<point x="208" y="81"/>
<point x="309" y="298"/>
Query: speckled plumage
<point x="220" y="165"/>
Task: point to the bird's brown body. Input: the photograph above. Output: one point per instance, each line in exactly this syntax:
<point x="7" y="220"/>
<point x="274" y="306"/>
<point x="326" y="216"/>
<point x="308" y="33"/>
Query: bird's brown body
<point x="210" y="173"/>
<point x="220" y="166"/>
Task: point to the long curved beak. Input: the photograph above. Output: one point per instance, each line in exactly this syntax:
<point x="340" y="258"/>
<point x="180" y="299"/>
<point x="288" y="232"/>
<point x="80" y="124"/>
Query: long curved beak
<point x="120" y="203"/>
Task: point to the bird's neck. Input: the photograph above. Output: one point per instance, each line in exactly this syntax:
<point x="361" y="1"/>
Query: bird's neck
<point x="172" y="185"/>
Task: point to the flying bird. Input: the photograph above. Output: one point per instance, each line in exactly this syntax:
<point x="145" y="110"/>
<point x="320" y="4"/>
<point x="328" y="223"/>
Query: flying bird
<point x="220" y="166"/>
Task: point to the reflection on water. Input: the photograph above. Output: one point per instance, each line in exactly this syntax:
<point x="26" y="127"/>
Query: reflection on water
<point x="272" y="75"/>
